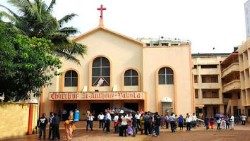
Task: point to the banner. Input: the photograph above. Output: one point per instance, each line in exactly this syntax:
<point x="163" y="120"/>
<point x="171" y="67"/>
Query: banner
<point x="96" y="96"/>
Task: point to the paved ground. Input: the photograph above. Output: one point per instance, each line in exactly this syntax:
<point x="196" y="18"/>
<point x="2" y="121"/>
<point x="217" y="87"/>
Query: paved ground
<point x="241" y="133"/>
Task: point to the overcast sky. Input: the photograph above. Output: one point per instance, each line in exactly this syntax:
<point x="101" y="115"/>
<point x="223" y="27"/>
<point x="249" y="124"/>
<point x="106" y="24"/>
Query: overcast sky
<point x="206" y="23"/>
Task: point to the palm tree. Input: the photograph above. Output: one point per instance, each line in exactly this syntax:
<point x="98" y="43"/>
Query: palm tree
<point x="34" y="19"/>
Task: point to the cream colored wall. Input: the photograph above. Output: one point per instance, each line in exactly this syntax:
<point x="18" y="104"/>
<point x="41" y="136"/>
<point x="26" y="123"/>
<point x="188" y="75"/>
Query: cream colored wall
<point x="123" y="54"/>
<point x="212" y="60"/>
<point x="14" y="119"/>
<point x="165" y="91"/>
<point x="177" y="58"/>
<point x="70" y="89"/>
<point x="244" y="65"/>
<point x="131" y="88"/>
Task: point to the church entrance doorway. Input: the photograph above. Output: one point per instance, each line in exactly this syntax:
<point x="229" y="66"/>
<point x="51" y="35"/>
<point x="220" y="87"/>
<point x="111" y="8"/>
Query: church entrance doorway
<point x="132" y="106"/>
<point x="67" y="108"/>
<point x="167" y="108"/>
<point x="97" y="108"/>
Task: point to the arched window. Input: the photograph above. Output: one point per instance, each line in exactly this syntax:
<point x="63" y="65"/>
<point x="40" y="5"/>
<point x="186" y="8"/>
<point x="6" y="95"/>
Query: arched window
<point x="130" y="78"/>
<point x="71" y="79"/>
<point x="166" y="76"/>
<point x="101" y="72"/>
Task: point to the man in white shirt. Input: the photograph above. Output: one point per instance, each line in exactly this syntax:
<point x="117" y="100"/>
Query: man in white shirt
<point x="243" y="119"/>
<point x="107" y="121"/>
<point x="138" y="116"/>
<point x="116" y="117"/>
<point x="188" y="122"/>
<point x="124" y="126"/>
<point x="100" y="118"/>
<point x="194" y="120"/>
<point x="232" y="122"/>
<point x="90" y="119"/>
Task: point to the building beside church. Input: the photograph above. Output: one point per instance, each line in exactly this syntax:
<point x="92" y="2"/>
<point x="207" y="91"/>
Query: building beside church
<point x="230" y="77"/>
<point x="244" y="64"/>
<point x="119" y="71"/>
<point x="207" y="83"/>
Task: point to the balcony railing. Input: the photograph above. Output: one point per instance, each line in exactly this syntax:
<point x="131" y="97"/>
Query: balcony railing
<point x="233" y="85"/>
<point x="208" y="71"/>
<point x="210" y="85"/>
<point x="208" y="101"/>
<point x="232" y="68"/>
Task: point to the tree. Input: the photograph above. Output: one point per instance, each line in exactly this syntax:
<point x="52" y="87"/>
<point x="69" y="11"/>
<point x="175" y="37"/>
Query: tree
<point x="26" y="63"/>
<point x="34" y="19"/>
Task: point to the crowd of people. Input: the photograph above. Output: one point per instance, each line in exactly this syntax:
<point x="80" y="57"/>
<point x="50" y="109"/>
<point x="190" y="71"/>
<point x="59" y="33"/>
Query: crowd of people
<point x="54" y="121"/>
<point x="130" y="123"/>
<point x="223" y="121"/>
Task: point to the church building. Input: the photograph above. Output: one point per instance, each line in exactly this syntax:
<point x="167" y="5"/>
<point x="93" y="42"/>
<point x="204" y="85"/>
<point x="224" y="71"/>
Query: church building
<point x="119" y="71"/>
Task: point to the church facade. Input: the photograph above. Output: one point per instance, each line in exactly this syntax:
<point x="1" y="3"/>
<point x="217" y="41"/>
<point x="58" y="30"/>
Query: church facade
<point x="119" y="71"/>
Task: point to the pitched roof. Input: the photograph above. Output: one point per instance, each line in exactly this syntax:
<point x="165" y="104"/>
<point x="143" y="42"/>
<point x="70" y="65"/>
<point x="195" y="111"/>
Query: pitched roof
<point x="109" y="31"/>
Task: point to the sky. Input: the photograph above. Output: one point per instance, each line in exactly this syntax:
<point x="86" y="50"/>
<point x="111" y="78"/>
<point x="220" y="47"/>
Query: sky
<point x="208" y="24"/>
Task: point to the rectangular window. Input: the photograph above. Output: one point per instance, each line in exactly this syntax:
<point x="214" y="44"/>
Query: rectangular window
<point x="196" y="93"/>
<point x="215" y="94"/>
<point x="195" y="78"/>
<point x="164" y="44"/>
<point x="248" y="111"/>
<point x="246" y="55"/>
<point x="210" y="93"/>
<point x="195" y="67"/>
<point x="208" y="66"/>
<point x="227" y="95"/>
<point x="214" y="79"/>
<point x="209" y="78"/>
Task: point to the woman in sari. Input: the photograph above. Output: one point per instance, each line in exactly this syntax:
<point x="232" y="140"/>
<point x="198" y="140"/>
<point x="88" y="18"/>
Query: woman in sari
<point x="69" y="127"/>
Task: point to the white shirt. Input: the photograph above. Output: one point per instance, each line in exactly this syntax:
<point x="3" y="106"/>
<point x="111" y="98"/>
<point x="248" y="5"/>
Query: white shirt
<point x="243" y="118"/>
<point x="189" y="119"/>
<point x="232" y="118"/>
<point x="124" y="121"/>
<point x="218" y="120"/>
<point x="137" y="116"/>
<point x="108" y="116"/>
<point x="100" y="116"/>
<point x="116" y="118"/>
<point x="194" y="118"/>
<point x="90" y="118"/>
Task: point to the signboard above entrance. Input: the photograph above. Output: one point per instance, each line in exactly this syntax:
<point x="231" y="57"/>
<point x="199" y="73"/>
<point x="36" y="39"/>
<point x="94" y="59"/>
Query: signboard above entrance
<point x="96" y="96"/>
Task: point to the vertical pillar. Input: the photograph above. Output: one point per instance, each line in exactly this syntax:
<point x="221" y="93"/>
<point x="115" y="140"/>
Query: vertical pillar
<point x="30" y="120"/>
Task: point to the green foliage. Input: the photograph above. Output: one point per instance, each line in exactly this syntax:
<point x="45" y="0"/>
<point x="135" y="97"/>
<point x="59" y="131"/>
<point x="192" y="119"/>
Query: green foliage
<point x="26" y="64"/>
<point x="34" y="19"/>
